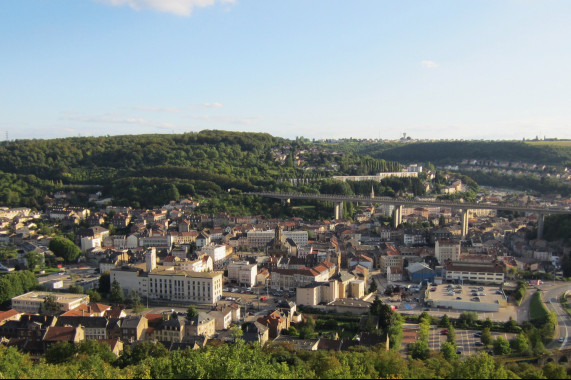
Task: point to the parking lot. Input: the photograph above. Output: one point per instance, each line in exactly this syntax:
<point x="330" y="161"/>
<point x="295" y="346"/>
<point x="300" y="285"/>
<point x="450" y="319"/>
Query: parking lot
<point x="465" y="340"/>
<point x="258" y="299"/>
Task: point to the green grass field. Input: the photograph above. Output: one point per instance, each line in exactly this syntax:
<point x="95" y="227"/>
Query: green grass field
<point x="537" y="309"/>
<point x="307" y="207"/>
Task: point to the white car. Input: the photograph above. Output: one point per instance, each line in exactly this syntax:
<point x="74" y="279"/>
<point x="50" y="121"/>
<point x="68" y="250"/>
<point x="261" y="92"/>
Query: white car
<point x="560" y="340"/>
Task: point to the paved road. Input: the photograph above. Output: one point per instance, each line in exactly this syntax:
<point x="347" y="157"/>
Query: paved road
<point x="552" y="292"/>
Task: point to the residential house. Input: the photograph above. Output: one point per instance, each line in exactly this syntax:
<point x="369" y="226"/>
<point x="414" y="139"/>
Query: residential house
<point x="202" y="240"/>
<point x="255" y="332"/>
<point x="133" y="328"/>
<point x="223" y="317"/>
<point x="94" y="327"/>
<point x="202" y="324"/>
<point x="55" y="334"/>
<point x="275" y="322"/>
<point x="171" y="330"/>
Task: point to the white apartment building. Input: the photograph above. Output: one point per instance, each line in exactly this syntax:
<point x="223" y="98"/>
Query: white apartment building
<point x="243" y="273"/>
<point x="202" y="264"/>
<point x="90" y="242"/>
<point x="216" y="252"/>
<point x="184" y="286"/>
<point x="170" y="284"/>
<point x="260" y="239"/>
<point x="447" y="250"/>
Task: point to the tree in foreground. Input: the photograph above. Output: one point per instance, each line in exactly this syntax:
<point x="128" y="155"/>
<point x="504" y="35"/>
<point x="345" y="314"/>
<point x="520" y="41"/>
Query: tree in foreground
<point x="448" y="350"/>
<point x="502" y="346"/>
<point x="419" y="350"/>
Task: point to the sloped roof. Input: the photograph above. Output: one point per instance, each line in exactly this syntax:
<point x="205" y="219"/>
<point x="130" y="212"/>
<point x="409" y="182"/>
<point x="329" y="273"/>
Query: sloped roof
<point x="60" y="333"/>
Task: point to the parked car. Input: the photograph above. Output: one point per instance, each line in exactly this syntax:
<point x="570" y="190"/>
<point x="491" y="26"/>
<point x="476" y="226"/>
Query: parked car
<point x="458" y="298"/>
<point x="478" y="344"/>
<point x="560" y="340"/>
<point x="444" y="332"/>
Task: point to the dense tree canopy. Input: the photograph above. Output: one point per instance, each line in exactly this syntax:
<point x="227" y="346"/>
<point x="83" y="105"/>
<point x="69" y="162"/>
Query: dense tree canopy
<point x="15" y="284"/>
<point x="64" y="248"/>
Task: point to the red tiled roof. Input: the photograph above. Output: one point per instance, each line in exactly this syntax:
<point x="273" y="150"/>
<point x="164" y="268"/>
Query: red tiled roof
<point x="57" y="333"/>
<point x="99" y="307"/>
<point x="8" y="314"/>
<point x="154" y="318"/>
<point x="113" y="313"/>
<point x="74" y="313"/>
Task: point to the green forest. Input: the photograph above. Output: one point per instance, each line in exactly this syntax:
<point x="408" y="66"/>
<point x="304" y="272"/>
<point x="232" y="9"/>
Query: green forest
<point x="217" y="167"/>
<point x="150" y="170"/>
<point x="445" y="152"/>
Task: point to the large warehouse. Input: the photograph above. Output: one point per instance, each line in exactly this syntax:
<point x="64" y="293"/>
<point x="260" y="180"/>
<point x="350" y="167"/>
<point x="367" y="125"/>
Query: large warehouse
<point x="466" y="297"/>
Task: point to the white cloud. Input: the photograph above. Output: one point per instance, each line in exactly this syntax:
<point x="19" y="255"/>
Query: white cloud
<point x="178" y="7"/>
<point x="429" y="64"/>
<point x="160" y="109"/>
<point x="212" y="105"/>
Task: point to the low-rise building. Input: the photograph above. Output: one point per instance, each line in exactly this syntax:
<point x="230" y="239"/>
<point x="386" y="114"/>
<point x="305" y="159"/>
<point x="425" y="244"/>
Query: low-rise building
<point x="203" y="324"/>
<point x="171" y="330"/>
<point x="255" y="332"/>
<point x="222" y="317"/>
<point x="55" y="334"/>
<point x="133" y="328"/>
<point x="484" y="273"/>
<point x="94" y="327"/>
<point x="32" y="301"/>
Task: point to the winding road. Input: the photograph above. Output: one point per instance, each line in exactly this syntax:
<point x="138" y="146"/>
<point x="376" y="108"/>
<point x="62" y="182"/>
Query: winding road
<point x="552" y="292"/>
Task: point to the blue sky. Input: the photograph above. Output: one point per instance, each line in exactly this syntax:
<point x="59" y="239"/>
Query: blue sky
<point x="487" y="69"/>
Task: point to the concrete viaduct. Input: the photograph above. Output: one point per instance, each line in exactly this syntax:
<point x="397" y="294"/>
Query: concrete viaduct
<point x="399" y="203"/>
